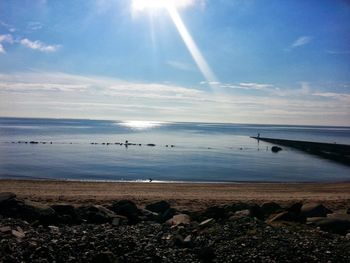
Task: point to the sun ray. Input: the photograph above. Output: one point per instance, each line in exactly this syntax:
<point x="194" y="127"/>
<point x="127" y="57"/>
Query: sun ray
<point x="172" y="7"/>
<point x="191" y="45"/>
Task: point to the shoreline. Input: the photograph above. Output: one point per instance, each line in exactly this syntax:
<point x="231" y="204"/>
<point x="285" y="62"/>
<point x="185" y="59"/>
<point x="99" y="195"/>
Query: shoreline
<point x="191" y="196"/>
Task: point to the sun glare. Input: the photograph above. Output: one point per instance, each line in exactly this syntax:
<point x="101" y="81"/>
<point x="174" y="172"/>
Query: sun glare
<point x="140" y="5"/>
<point x="150" y="4"/>
<point x="141" y="125"/>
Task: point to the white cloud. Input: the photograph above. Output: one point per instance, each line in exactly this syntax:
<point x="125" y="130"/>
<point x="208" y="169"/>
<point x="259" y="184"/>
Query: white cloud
<point x="301" y="41"/>
<point x="59" y="95"/>
<point x="38" y="45"/>
<point x="6" y="38"/>
<point x="2" y="50"/>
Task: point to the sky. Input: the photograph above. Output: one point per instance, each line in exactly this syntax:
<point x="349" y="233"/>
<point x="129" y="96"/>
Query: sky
<point x="226" y="61"/>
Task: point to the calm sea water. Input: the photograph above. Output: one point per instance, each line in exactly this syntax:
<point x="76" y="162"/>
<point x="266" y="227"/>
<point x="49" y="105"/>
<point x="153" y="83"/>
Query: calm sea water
<point x="202" y="152"/>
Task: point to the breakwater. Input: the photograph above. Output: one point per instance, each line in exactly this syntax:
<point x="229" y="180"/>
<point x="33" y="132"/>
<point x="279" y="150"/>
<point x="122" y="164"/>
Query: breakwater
<point x="333" y="151"/>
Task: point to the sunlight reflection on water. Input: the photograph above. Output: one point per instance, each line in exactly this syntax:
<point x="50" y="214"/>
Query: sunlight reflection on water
<point x="141" y="125"/>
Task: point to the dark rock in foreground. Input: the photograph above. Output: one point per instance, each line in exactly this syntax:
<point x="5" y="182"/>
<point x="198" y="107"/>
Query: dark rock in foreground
<point x="336" y="224"/>
<point x="158" y="207"/>
<point x="314" y="210"/>
<point x="121" y="232"/>
<point x="128" y="209"/>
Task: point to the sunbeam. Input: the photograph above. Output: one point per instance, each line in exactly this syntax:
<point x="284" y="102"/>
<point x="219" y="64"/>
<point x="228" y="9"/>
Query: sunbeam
<point x="191" y="45"/>
<point x="171" y="7"/>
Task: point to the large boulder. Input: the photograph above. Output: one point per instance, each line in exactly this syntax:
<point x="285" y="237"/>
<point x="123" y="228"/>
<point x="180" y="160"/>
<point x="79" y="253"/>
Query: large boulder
<point x="10" y="206"/>
<point x="6" y="196"/>
<point x="295" y="208"/>
<point x="166" y="215"/>
<point x="336" y="224"/>
<point x="66" y="213"/>
<point x="158" y="207"/>
<point x="216" y="212"/>
<point x="256" y="211"/>
<point x="126" y="208"/>
<point x="269" y="208"/>
<point x="95" y="214"/>
<point x="286" y="216"/>
<point x="314" y="210"/>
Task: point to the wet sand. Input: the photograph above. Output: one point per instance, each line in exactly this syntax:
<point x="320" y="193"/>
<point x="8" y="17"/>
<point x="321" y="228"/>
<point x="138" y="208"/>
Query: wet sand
<point x="191" y="196"/>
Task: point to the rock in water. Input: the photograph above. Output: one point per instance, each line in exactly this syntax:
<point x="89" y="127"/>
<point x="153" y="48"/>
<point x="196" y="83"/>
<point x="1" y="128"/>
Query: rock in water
<point x="276" y="149"/>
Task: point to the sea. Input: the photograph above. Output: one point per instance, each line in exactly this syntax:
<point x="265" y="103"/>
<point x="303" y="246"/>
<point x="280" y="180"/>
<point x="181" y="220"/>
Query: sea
<point x="96" y="150"/>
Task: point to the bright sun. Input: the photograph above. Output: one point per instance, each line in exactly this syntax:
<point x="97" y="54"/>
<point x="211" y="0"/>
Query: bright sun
<point x="150" y="4"/>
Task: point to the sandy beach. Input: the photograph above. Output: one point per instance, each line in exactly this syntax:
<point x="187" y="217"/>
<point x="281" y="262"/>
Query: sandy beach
<point x="191" y="196"/>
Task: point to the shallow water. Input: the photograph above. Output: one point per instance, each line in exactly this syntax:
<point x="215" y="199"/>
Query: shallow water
<point x="202" y="152"/>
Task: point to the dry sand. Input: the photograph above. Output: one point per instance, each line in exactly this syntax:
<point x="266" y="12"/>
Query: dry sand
<point x="191" y="196"/>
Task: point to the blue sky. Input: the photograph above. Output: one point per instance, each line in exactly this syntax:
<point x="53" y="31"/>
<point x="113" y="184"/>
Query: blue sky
<point x="272" y="61"/>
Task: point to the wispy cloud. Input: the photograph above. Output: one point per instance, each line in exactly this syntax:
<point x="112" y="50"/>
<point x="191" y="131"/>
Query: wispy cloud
<point x="34" y="25"/>
<point x="256" y="86"/>
<point x="338" y="52"/>
<point x="333" y="95"/>
<point x="5" y="38"/>
<point x="38" y="45"/>
<point x="10" y="28"/>
<point x="180" y="65"/>
<point x="241" y="85"/>
<point x="301" y="41"/>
